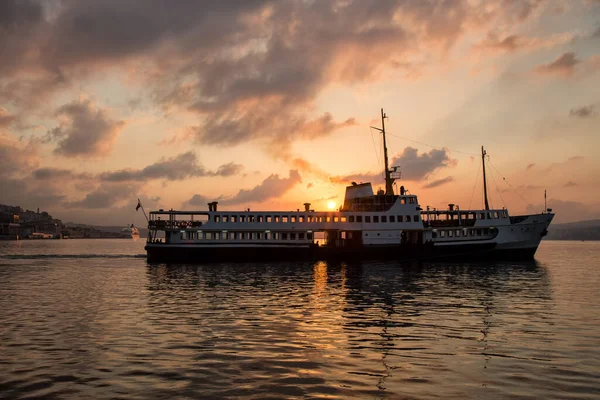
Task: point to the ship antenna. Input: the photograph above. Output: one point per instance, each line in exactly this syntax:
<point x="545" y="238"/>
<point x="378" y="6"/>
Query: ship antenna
<point x="389" y="181"/>
<point x="483" y="154"/>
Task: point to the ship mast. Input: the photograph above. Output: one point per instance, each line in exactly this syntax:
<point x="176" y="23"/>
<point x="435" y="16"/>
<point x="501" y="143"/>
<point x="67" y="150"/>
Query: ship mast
<point x="483" y="153"/>
<point x="389" y="181"/>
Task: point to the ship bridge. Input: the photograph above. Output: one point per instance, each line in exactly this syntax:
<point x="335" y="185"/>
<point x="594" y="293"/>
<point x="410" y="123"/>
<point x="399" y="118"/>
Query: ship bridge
<point x="360" y="197"/>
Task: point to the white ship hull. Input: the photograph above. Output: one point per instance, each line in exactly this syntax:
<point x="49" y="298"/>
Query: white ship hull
<point x="367" y="226"/>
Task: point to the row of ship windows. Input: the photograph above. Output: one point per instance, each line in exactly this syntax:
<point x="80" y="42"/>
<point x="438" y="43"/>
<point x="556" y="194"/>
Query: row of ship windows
<point x="293" y="219"/>
<point x="462" y="232"/>
<point x="469" y="215"/>
<point x="203" y="235"/>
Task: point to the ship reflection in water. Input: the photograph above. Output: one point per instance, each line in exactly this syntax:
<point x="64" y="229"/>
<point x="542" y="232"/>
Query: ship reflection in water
<point x="91" y="319"/>
<point x="367" y="330"/>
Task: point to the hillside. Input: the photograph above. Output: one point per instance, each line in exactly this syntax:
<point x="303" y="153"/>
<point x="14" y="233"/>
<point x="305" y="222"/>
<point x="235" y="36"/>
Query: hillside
<point x="582" y="230"/>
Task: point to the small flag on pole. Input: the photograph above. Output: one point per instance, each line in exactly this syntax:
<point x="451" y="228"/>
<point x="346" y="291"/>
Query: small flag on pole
<point x="139" y="204"/>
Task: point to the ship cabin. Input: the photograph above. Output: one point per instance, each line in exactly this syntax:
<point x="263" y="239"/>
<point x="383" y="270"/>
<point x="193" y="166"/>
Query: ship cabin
<point x="365" y="219"/>
<point x="454" y="224"/>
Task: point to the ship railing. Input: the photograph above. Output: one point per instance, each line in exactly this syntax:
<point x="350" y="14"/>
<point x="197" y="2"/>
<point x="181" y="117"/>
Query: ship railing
<point x="435" y="223"/>
<point x="176" y="224"/>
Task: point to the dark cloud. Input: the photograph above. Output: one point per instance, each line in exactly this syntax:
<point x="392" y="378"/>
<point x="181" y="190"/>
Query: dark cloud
<point x="20" y="192"/>
<point x="529" y="166"/>
<point x="439" y="182"/>
<point x="17" y="13"/>
<point x="563" y="65"/>
<point x="414" y="166"/>
<point x="49" y="173"/>
<point x="200" y="200"/>
<point x="279" y="128"/>
<point x="227" y="170"/>
<point x="17" y="158"/>
<point x="250" y="69"/>
<point x="271" y="188"/>
<point x="583" y="112"/>
<point x="180" y="167"/>
<point x="16" y="155"/>
<point x="108" y="194"/>
<point x="87" y="131"/>
<point x="20" y="21"/>
<point x="570" y="184"/>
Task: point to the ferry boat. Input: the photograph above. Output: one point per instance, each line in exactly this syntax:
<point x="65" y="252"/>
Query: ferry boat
<point x="382" y="225"/>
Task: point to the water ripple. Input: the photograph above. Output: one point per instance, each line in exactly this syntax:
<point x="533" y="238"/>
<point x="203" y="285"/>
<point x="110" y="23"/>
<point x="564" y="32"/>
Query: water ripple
<point x="91" y="319"/>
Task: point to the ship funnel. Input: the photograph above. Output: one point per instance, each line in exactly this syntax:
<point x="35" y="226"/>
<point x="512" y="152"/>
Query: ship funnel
<point x="213" y="206"/>
<point x="306" y="207"/>
<point x="451" y="207"/>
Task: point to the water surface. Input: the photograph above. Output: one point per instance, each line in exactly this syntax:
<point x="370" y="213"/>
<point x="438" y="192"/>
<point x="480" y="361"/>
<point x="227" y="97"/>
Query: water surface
<point x="91" y="319"/>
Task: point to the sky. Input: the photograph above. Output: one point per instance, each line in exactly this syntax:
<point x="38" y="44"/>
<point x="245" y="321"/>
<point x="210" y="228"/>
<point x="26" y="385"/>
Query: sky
<point x="269" y="104"/>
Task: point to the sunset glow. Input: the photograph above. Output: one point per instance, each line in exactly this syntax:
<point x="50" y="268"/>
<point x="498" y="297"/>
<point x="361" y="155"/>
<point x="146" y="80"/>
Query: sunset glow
<point x="268" y="105"/>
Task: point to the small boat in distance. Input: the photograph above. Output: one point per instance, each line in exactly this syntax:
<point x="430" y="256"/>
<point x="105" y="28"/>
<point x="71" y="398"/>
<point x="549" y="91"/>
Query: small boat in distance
<point x="130" y="232"/>
<point x="384" y="225"/>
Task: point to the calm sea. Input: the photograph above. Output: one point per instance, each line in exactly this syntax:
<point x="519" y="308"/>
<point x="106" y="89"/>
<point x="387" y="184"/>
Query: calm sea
<point x="92" y="319"/>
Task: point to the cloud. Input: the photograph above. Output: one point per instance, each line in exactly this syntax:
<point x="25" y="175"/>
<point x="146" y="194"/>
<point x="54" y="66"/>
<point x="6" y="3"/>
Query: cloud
<point x="85" y="130"/>
<point x="271" y="188"/>
<point x="439" y="182"/>
<point x="201" y="200"/>
<point x="568" y="211"/>
<point x="570" y="184"/>
<point x="514" y="43"/>
<point x="530" y="166"/>
<point x="248" y="69"/>
<point x="20" y="22"/>
<point x="571" y="162"/>
<point x="107" y="195"/>
<point x="563" y="65"/>
<point x="373" y="177"/>
<point x="582" y="112"/>
<point x="6" y="119"/>
<point x="180" y="167"/>
<point x="414" y="166"/>
<point x="49" y="173"/>
<point x="278" y="127"/>
<point x="227" y="170"/>
<point x="20" y="192"/>
<point x="16" y="155"/>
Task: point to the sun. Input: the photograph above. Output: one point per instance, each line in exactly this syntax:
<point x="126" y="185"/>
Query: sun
<point x="331" y="205"/>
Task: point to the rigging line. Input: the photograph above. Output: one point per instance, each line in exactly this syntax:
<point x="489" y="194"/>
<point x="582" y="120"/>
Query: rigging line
<point x="376" y="150"/>
<point x="474" y="186"/>
<point x="498" y="189"/>
<point x="503" y="178"/>
<point x="434" y="147"/>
